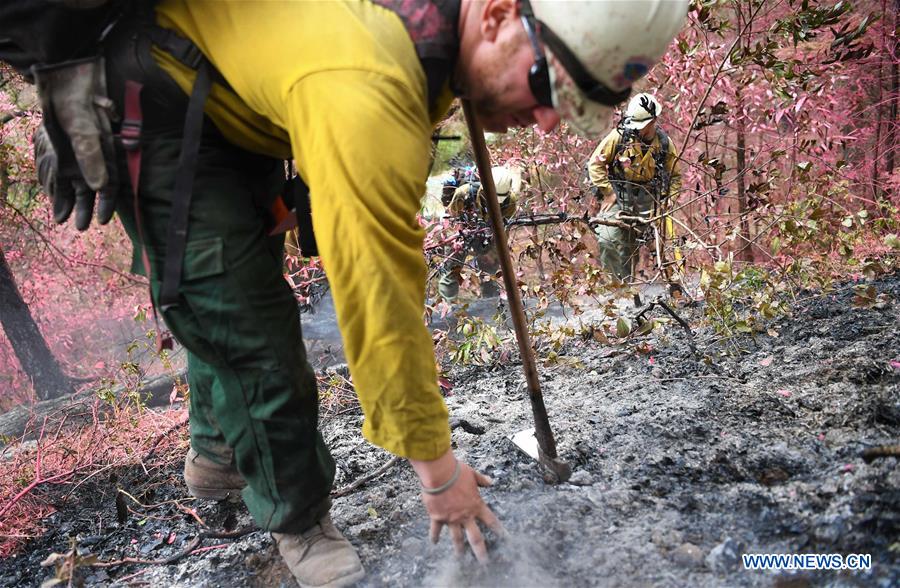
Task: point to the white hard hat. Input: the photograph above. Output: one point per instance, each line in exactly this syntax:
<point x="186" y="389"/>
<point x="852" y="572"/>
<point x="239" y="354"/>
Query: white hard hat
<point x="642" y="110"/>
<point x="502" y="181"/>
<point x="598" y="48"/>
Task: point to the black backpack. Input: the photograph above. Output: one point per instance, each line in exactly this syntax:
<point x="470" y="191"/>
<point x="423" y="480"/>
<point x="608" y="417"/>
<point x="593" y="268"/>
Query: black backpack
<point x="44" y="32"/>
<point x="661" y="180"/>
<point x="41" y="35"/>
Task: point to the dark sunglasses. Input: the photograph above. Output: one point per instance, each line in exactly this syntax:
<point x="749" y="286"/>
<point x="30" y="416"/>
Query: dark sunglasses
<point x="539" y="74"/>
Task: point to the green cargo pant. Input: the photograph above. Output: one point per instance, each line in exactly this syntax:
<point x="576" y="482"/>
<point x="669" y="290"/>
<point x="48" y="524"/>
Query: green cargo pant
<point x="486" y="260"/>
<point x="253" y="393"/>
<point x="618" y="246"/>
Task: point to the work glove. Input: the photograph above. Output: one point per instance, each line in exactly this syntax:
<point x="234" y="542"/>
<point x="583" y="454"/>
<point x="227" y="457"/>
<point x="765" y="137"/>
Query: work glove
<point x="74" y="148"/>
<point x="66" y="195"/>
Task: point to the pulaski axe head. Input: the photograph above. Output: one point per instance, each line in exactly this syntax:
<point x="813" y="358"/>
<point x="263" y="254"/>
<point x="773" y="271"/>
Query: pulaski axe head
<point x="527" y="443"/>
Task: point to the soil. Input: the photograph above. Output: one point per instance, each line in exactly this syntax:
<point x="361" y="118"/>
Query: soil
<point x="681" y="463"/>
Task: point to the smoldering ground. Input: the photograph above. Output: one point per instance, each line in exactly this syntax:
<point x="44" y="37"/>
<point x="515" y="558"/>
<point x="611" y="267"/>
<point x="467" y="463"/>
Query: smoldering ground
<point x="681" y="464"/>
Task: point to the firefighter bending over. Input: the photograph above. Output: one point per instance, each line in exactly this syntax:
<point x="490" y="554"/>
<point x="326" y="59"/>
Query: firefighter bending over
<point x="466" y="202"/>
<point x="198" y="104"/>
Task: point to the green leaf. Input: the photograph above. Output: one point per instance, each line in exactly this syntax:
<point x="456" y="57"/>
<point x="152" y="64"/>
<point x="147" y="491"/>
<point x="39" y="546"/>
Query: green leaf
<point x="623" y="327"/>
<point x="646" y="327"/>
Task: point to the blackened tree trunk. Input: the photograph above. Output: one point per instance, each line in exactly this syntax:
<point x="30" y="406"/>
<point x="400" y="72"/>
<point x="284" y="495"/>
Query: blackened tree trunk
<point x="26" y="340"/>
<point x="876" y="152"/>
<point x="893" y="121"/>
<point x="744" y="247"/>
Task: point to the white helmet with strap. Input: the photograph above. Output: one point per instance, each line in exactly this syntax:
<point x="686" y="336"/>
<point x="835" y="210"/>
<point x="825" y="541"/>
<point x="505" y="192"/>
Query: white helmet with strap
<point x="502" y="182"/>
<point x="506" y="182"/>
<point x="596" y="50"/>
<point x="642" y="110"/>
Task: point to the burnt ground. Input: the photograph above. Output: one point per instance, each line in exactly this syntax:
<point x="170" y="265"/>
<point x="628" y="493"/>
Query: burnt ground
<point x="681" y="465"/>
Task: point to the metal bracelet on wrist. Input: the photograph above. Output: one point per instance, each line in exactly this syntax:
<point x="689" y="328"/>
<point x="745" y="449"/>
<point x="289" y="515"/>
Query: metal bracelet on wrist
<point x="446" y="485"/>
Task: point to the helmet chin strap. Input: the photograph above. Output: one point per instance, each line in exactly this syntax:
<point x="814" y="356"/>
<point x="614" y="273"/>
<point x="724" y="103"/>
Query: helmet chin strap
<point x="592" y="88"/>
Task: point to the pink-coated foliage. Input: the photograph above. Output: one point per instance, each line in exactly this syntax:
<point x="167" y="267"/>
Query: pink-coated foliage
<point x="809" y="89"/>
<point x="784" y="113"/>
<point x="769" y="104"/>
<point x="66" y="457"/>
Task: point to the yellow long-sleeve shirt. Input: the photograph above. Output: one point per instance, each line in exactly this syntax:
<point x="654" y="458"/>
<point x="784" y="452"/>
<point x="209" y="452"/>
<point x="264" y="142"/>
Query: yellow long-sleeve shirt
<point x="338" y="86"/>
<point x="638" y="164"/>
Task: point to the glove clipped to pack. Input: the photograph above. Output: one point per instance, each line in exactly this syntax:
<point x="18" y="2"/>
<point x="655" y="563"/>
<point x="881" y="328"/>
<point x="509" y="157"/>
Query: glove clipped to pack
<point x="74" y="147"/>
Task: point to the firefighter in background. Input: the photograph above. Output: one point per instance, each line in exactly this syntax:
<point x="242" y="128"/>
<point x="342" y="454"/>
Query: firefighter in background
<point x="633" y="171"/>
<point x="466" y="202"/>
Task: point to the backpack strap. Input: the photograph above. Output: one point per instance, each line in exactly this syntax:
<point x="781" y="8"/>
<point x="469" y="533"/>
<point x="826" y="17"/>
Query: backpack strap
<point x="183" y="50"/>
<point x="131" y="142"/>
<point x="176" y="241"/>
<point x="661" y="175"/>
<point x="663" y="143"/>
<point x="616" y="171"/>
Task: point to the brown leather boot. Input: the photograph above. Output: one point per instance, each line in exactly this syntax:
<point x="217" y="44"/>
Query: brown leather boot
<point x="208" y="479"/>
<point x="320" y="557"/>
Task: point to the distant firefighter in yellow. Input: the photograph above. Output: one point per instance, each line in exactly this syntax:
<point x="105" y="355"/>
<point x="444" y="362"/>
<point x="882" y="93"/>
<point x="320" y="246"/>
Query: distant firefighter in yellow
<point x="634" y="168"/>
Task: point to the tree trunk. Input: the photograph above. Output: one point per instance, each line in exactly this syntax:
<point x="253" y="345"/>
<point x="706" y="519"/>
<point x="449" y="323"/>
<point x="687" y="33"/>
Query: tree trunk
<point x="744" y="250"/>
<point x="876" y="152"/>
<point x="26" y="340"/>
<point x="894" y="98"/>
<point x="22" y="332"/>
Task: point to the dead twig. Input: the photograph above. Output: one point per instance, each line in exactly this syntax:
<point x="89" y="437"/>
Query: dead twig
<point x="130" y="577"/>
<point x="191" y="512"/>
<point x="162" y="436"/>
<point x="355" y="484"/>
<point x="39" y="478"/>
<point x="687" y="329"/>
<point x="873" y="453"/>
<point x="192" y="548"/>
